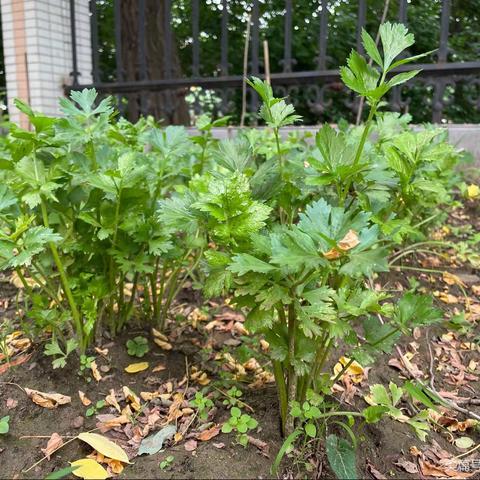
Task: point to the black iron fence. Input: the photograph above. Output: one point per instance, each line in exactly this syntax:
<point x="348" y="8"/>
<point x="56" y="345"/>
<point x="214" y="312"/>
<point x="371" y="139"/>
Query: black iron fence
<point x="169" y="74"/>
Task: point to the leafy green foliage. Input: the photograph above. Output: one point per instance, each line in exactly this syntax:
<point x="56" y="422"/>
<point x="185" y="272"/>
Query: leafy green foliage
<point x="241" y="423"/>
<point x="4" y="425"/>
<point x="203" y="405"/>
<point x="341" y="457"/>
<point x="54" y="349"/>
<point x="138" y="346"/>
<point x="93" y="409"/>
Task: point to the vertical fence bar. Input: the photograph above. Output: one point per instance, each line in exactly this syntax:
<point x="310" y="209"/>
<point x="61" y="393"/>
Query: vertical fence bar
<point x="287" y="39"/>
<point x="437" y="102"/>
<point x="195" y="37"/>
<point x="117" y="18"/>
<point x="224" y="39"/>
<point x="362" y="20"/>
<point x="142" y="62"/>
<point x="402" y="11"/>
<point x="255" y="47"/>
<point x="323" y="37"/>
<point x="94" y="36"/>
<point x="444" y="31"/>
<point x="118" y="39"/>
<point x="73" y="35"/>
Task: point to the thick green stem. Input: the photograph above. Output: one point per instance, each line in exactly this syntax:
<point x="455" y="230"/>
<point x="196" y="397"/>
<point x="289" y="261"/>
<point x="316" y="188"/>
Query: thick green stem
<point x="65" y="284"/>
<point x="282" y="392"/>
<point x="292" y="377"/>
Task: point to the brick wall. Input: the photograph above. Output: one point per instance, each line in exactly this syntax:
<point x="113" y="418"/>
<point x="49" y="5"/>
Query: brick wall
<point x="38" y="51"/>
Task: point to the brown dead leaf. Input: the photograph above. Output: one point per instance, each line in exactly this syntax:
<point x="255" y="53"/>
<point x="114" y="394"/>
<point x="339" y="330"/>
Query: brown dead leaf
<point x="252" y="365"/>
<point x="111" y="400"/>
<point x="332" y="254"/>
<point x="190" y="445"/>
<point x="13" y="363"/>
<point x="47" y="400"/>
<point x="431" y="470"/>
<point x="261" y="445"/>
<point x="174" y="410"/>
<point x="374" y="472"/>
<point x="54" y="443"/>
<point x="199" y="376"/>
<point x="349" y="241"/>
<point x="95" y="372"/>
<point x="84" y="399"/>
<point x="209" y="434"/>
<point x="452" y="279"/>
<point x="415" y="451"/>
<point x="446" y="297"/>
<point x="159" y="368"/>
<point x="264" y="345"/>
<point x="102" y="351"/>
<point x="219" y="445"/>
<point x="408" y="466"/>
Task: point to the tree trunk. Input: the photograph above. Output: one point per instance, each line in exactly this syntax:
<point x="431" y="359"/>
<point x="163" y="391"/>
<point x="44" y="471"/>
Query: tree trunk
<point x="168" y="106"/>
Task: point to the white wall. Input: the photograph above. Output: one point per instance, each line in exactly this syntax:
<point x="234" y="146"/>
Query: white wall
<point x="37" y="34"/>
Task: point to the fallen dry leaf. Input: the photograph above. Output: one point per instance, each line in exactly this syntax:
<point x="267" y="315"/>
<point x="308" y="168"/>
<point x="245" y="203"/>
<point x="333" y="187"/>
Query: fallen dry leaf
<point x="47" y="400"/>
<point x="111" y="400"/>
<point x="190" y="445"/>
<point x="355" y="371"/>
<point x="95" y="372"/>
<point x="54" y="443"/>
<point x="159" y="368"/>
<point x="78" y="422"/>
<point x="408" y="466"/>
<point x="13" y="363"/>
<point x="136" y="367"/>
<point x="162" y="344"/>
<point x="209" y="434"/>
<point x="84" y="399"/>
<point x="132" y="398"/>
<point x="452" y="279"/>
<point x="261" y="445"/>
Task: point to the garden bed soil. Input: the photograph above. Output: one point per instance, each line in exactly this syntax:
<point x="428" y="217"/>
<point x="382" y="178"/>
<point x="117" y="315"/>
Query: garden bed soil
<point x="381" y="446"/>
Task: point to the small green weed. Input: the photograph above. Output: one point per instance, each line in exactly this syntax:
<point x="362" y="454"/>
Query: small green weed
<point x="241" y="423"/>
<point x="167" y="463"/>
<point x="95" y="408"/>
<point x="138" y="346"/>
<point x="4" y="425"/>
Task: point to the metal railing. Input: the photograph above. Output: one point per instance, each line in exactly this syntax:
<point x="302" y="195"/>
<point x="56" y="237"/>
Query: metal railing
<point x="437" y="77"/>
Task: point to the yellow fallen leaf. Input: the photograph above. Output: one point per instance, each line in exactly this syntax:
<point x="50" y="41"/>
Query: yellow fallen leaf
<point x="473" y="191"/>
<point x="84" y="399"/>
<point x="355" y="371"/>
<point x="47" y="400"/>
<point x="114" y="466"/>
<point x="104" y="446"/>
<point x="136" y="367"/>
<point x="132" y="398"/>
<point x="89" y="469"/>
<point x="349" y="241"/>
<point x="162" y="344"/>
<point x="264" y="345"/>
